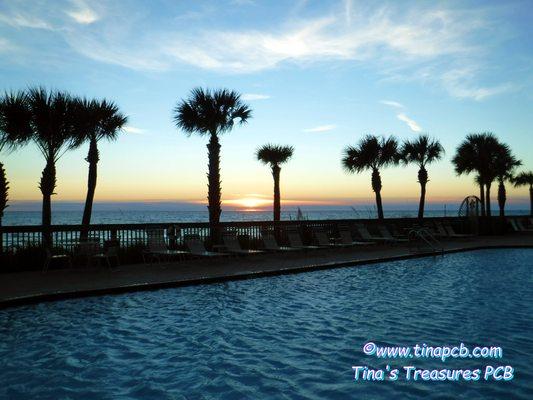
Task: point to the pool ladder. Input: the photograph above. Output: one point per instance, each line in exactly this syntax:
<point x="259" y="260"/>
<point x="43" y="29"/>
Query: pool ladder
<point x="425" y="235"/>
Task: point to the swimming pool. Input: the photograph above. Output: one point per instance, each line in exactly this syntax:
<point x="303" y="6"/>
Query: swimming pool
<point x="285" y="337"/>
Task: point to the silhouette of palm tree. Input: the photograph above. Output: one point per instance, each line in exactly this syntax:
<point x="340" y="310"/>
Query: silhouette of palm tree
<point x="476" y="154"/>
<point x="95" y="120"/>
<point x="274" y="156"/>
<point x="503" y="166"/>
<point x="211" y="113"/>
<point x="372" y="153"/>
<point x="421" y="151"/>
<point x="525" y="179"/>
<point x="52" y="122"/>
<point x="14" y="132"/>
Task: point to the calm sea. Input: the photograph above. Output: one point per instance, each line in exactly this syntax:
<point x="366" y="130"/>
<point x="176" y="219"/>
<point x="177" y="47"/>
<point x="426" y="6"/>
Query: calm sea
<point x="147" y="216"/>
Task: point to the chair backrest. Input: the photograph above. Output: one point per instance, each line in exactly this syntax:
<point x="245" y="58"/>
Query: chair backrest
<point x="363" y="231"/>
<point x="231" y="242"/>
<point x="384" y="232"/>
<point x="322" y="238"/>
<point x="88" y="248"/>
<point x="440" y="229"/>
<point x="515" y="227"/>
<point x="294" y="239"/>
<point x="520" y="224"/>
<point x="449" y="229"/>
<point x="269" y="241"/>
<point x="346" y="236"/>
<point x="195" y="244"/>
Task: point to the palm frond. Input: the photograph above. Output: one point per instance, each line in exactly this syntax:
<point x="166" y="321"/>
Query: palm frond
<point x="274" y="154"/>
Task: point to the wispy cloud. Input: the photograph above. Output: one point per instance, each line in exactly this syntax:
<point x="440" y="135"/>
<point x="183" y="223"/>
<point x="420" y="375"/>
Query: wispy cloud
<point x="20" y="20"/>
<point x="132" y="129"/>
<point x="412" y="124"/>
<point x="400" y="114"/>
<point x="320" y="128"/>
<point x="392" y="103"/>
<point x="82" y="13"/>
<point x="254" y="96"/>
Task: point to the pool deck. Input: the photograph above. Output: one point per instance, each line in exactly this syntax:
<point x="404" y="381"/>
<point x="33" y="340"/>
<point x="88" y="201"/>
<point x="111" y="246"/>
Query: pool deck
<point x="33" y="286"/>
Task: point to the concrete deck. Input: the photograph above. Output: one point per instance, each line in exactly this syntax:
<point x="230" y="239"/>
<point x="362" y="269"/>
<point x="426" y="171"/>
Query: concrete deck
<point x="32" y="287"/>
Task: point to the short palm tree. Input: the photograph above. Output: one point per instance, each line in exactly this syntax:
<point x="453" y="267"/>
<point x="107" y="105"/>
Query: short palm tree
<point x="274" y="156"/>
<point x="211" y="113"/>
<point x="421" y="151"/>
<point x="526" y="179"/>
<point x="52" y="124"/>
<point x="95" y="120"/>
<point x="504" y="164"/>
<point x="476" y="154"/>
<point x="14" y="132"/>
<point x="372" y="153"/>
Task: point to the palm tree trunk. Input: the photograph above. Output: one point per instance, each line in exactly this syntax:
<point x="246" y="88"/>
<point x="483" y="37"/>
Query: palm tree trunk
<point x="214" y="191"/>
<point x="482" y="198"/>
<point x="502" y="198"/>
<point x="277" y="197"/>
<point x="531" y="200"/>
<point x="422" y="179"/>
<point x="92" y="159"/>
<point x="487" y="199"/>
<point x="47" y="186"/>
<point x="376" y="187"/>
<point x="4" y="186"/>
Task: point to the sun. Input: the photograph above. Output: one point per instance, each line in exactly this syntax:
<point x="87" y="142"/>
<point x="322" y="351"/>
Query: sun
<point x="249" y="203"/>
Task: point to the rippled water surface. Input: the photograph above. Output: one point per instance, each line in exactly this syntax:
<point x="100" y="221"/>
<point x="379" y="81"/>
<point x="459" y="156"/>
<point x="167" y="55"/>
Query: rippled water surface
<point x="286" y="337"/>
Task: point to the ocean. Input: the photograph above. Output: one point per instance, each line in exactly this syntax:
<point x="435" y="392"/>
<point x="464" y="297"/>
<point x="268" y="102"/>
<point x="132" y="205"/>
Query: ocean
<point x="73" y="217"/>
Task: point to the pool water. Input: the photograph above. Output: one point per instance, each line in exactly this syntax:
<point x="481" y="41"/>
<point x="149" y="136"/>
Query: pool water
<point x="285" y="337"/>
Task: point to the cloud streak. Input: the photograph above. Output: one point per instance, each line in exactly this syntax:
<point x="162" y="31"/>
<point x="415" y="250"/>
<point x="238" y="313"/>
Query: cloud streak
<point x="320" y="128"/>
<point x="254" y="96"/>
<point x="401" y="115"/>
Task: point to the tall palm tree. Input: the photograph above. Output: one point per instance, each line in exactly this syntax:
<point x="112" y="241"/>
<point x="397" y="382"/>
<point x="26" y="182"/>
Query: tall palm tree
<point x="211" y="113"/>
<point x="52" y="124"/>
<point x="476" y="154"/>
<point x="95" y="120"/>
<point x="372" y="153"/>
<point x="274" y="156"/>
<point x="421" y="151"/>
<point x="14" y="132"/>
<point x="504" y="164"/>
<point x="524" y="179"/>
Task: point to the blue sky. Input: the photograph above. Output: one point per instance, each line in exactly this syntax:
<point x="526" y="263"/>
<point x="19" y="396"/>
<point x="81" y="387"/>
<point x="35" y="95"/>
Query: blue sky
<point x="317" y="74"/>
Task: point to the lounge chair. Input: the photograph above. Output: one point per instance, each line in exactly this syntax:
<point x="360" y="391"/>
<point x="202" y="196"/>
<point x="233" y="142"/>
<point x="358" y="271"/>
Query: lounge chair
<point x="517" y="226"/>
<point x="323" y="240"/>
<point x="233" y="246"/>
<point x="270" y="243"/>
<point x="50" y="258"/>
<point x="296" y="241"/>
<point x="347" y="240"/>
<point x="383" y="230"/>
<point x="366" y="236"/>
<point x="451" y="233"/>
<point x="522" y="227"/>
<point x="196" y="247"/>
<point x="157" y="248"/>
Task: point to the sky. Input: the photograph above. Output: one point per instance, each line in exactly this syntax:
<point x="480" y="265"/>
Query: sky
<point x="318" y="75"/>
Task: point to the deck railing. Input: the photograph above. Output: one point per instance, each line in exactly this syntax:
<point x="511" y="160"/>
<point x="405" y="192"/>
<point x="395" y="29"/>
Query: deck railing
<point x="128" y="235"/>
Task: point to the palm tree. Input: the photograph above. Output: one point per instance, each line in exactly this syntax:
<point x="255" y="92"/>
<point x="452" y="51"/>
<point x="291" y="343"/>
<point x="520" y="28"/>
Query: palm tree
<point x="504" y="164"/>
<point x="211" y="113"/>
<point x="476" y="154"/>
<point x="422" y="151"/>
<point x="95" y="121"/>
<point x="524" y="179"/>
<point x="52" y="124"/>
<point x="14" y="132"/>
<point x="274" y="156"/>
<point x="372" y="153"/>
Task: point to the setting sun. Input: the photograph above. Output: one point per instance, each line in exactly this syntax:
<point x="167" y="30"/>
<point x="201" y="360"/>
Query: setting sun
<point x="249" y="202"/>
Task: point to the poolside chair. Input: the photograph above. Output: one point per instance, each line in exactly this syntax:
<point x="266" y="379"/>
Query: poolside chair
<point x="233" y="246"/>
<point x="346" y="238"/>
<point x="196" y="247"/>
<point x="366" y="236"/>
<point x="323" y="240"/>
<point x="296" y="241"/>
<point x="50" y="258"/>
<point x="517" y="226"/>
<point x="384" y="231"/>
<point x="270" y="243"/>
<point x="522" y="227"/>
<point x="451" y="233"/>
<point x="157" y="248"/>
